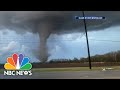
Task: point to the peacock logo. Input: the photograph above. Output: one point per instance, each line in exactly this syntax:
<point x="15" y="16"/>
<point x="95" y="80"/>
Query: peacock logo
<point x="18" y="62"/>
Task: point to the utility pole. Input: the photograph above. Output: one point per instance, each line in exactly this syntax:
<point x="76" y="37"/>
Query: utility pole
<point x="87" y="40"/>
<point x="115" y="57"/>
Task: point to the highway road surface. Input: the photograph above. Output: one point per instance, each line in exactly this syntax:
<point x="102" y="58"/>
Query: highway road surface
<point x="69" y="75"/>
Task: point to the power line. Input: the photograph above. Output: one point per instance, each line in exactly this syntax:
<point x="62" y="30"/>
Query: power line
<point x="35" y="41"/>
<point x="104" y="40"/>
<point x="7" y="41"/>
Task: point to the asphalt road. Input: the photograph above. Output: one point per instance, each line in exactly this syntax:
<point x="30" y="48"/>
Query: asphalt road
<point x="69" y="75"/>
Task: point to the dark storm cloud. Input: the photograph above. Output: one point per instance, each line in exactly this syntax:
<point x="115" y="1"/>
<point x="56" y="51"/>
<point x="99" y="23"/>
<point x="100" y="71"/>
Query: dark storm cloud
<point x="58" y="22"/>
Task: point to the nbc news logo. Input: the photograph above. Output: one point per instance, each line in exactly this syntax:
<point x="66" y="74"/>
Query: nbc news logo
<point x="18" y="65"/>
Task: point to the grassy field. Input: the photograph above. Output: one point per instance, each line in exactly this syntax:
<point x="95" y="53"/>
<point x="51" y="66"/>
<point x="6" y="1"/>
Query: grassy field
<point x="73" y="69"/>
<point x="1" y="71"/>
<point x="70" y="69"/>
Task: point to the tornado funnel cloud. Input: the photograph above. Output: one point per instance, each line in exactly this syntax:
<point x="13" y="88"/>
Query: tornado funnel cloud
<point x="43" y="49"/>
<point x="44" y="33"/>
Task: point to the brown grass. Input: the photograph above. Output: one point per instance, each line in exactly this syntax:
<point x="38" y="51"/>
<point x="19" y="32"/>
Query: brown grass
<point x="63" y="65"/>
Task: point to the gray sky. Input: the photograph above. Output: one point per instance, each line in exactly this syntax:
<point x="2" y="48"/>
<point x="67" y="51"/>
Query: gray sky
<point x="61" y="46"/>
<point x="66" y="45"/>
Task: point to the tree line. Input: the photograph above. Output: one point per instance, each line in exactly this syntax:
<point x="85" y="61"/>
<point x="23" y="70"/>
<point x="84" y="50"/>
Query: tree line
<point x="108" y="57"/>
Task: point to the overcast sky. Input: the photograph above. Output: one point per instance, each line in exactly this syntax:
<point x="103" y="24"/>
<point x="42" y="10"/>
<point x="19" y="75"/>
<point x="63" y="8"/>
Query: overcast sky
<point x="60" y="46"/>
<point x="20" y="32"/>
